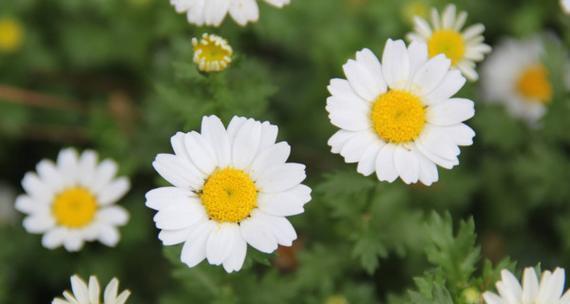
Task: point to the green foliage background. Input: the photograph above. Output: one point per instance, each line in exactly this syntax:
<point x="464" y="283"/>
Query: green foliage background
<point x="124" y="71"/>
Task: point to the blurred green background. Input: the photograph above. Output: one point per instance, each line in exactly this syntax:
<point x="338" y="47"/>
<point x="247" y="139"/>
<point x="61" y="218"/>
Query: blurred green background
<point x="117" y="76"/>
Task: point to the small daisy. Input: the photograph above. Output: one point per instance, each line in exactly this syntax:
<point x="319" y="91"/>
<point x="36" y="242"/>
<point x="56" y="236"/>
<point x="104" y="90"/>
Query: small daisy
<point x="399" y="118"/>
<point x="445" y="36"/>
<point x="73" y="201"/>
<point x="213" y="12"/>
<point x="516" y="76"/>
<point x="11" y="35"/>
<point x="232" y="187"/>
<point x="547" y="291"/>
<point x="212" y="53"/>
<point x="89" y="294"/>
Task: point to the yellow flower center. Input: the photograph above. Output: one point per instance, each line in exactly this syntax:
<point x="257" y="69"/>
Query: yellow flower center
<point x="398" y="116"/>
<point x="229" y="195"/>
<point x="212" y="53"/>
<point x="11" y="35"/>
<point x="448" y="42"/>
<point x="534" y="84"/>
<point x="74" y="207"/>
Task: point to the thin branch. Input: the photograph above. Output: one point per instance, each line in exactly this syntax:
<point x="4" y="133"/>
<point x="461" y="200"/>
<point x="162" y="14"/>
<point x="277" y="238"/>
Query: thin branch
<point x="34" y="99"/>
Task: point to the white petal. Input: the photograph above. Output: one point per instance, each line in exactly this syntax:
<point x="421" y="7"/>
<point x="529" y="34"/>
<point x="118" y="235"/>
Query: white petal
<point x="163" y="197"/>
<point x="246" y="144"/>
<point x="428" y="170"/>
<point x="430" y="75"/>
<point x="448" y="20"/>
<point x="36" y="188"/>
<point x="407" y="164"/>
<point x="277" y="3"/>
<point x="235" y="260"/>
<point x="67" y="161"/>
<point x="272" y="156"/>
<point x="94" y="290"/>
<point x="114" y="215"/>
<point x="177" y="172"/>
<point x="530" y="285"/>
<point x="268" y="135"/>
<point x="396" y="64"/>
<point x="367" y="163"/>
<point x="73" y="241"/>
<point x="385" y="166"/>
<point x="114" y="191"/>
<point x="281" y="178"/>
<point x="50" y="176"/>
<point x="87" y="167"/>
<point x="221" y="241"/>
<point x="461" y="134"/>
<point x="194" y="250"/>
<point x="356" y="146"/>
<point x="54" y="238"/>
<point x="279" y="226"/>
<point x="438" y="142"/>
<point x="201" y="153"/>
<point x="173" y="237"/>
<point x="473" y="31"/>
<point x="38" y="223"/>
<point x="285" y="203"/>
<point x="80" y="290"/>
<point x="179" y="216"/>
<point x="256" y="235"/>
<point x="244" y="11"/>
<point x="28" y="205"/>
<point x="422" y="26"/>
<point x="449" y="86"/>
<point x="418" y="56"/>
<point x="215" y="11"/>
<point x="214" y="132"/>
<point x="110" y="292"/>
<point x="339" y="139"/>
<point x="453" y="111"/>
<point x="103" y="175"/>
<point x="109" y="235"/>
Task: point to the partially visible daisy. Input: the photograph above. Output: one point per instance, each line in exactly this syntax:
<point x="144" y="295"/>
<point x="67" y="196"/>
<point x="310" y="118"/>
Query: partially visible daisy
<point x="11" y="35"/>
<point x="73" y="201"/>
<point x="565" y="6"/>
<point x="445" y="36"/>
<point x="547" y="291"/>
<point x="231" y="187"/>
<point x="399" y="118"/>
<point x="7" y="211"/>
<point x="90" y="294"/>
<point x="515" y="74"/>
<point x="213" y="12"/>
<point x="212" y="53"/>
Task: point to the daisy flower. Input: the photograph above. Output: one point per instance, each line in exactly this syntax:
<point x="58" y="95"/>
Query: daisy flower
<point x="399" y="118"/>
<point x="212" y="53"/>
<point x="89" y="294"/>
<point x="547" y="291"/>
<point x="73" y="201"/>
<point x="516" y="76"/>
<point x="445" y="36"/>
<point x="231" y="187"/>
<point x="213" y="12"/>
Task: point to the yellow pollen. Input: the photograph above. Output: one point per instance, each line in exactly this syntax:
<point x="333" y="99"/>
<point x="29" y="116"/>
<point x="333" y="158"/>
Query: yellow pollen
<point x="11" y="35"/>
<point x="398" y="116"/>
<point x="534" y="84"/>
<point x="212" y="53"/>
<point x="74" y="207"/>
<point x="447" y="42"/>
<point x="229" y="195"/>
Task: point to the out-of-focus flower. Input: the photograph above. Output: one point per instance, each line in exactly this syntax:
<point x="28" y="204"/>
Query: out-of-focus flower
<point x="232" y="187"/>
<point x="213" y="13"/>
<point x="73" y="201"/>
<point x="89" y="294"/>
<point x="413" y="9"/>
<point x="547" y="291"/>
<point x="11" y="35"/>
<point x="399" y="118"/>
<point x="565" y="4"/>
<point x="516" y="76"/>
<point x="212" y="53"/>
<point x="445" y="36"/>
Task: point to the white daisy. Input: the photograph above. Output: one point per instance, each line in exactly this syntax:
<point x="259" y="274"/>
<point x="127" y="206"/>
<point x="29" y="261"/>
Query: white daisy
<point x="7" y="211"/>
<point x="89" y="294"/>
<point x="547" y="291"/>
<point x="399" y="118"/>
<point x="516" y="76"/>
<point x="212" y="53"/>
<point x="231" y="188"/>
<point x="213" y="12"/>
<point x="445" y="36"/>
<point x="73" y="201"/>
